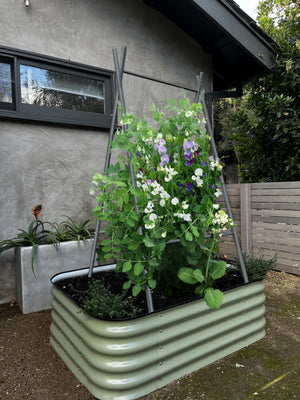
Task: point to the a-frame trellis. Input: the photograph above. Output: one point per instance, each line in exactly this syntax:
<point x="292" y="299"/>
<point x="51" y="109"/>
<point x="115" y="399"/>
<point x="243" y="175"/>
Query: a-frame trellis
<point x="119" y="97"/>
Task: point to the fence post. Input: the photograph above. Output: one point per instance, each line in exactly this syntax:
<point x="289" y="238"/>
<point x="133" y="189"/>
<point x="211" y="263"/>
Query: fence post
<point x="246" y="211"/>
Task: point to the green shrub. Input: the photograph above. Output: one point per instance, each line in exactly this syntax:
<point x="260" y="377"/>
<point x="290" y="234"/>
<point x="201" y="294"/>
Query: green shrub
<point x="257" y="266"/>
<point x="100" y="302"/>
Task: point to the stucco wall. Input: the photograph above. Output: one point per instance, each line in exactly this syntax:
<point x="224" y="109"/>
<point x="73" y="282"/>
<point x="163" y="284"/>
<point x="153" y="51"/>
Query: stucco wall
<point x="52" y="165"/>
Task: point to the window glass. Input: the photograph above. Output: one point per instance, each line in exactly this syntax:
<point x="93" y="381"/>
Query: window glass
<point x="5" y="83"/>
<point x="47" y="88"/>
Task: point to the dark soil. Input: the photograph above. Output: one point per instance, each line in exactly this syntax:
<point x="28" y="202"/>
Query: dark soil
<point x="76" y="289"/>
<point x="266" y="370"/>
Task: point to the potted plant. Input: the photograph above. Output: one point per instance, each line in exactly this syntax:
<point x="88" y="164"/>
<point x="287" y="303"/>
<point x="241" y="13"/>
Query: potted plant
<point x="64" y="243"/>
<point x="163" y="233"/>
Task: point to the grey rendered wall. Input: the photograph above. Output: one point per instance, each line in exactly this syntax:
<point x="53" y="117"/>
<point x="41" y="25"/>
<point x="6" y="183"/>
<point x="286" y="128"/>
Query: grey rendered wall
<point x="52" y="165"/>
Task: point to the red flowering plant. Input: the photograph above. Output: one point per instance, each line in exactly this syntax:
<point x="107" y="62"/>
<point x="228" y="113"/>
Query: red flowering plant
<point x="171" y="241"/>
<point x="36" y="233"/>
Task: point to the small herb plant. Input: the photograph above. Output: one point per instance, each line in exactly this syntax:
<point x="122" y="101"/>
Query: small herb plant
<point x="37" y="234"/>
<point x="176" y="193"/>
<point x="100" y="302"/>
<point x="257" y="266"/>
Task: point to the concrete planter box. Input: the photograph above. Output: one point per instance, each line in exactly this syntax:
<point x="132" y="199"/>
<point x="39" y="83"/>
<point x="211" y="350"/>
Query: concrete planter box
<point x="128" y="359"/>
<point x="34" y="293"/>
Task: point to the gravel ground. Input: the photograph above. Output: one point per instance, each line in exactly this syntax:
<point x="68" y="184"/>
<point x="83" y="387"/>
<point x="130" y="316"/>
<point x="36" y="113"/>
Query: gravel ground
<point x="268" y="369"/>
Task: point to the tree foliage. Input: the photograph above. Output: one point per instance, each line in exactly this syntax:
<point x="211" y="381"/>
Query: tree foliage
<point x="266" y="126"/>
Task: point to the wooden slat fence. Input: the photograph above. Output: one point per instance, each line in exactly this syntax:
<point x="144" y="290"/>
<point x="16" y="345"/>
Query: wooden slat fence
<point x="268" y="221"/>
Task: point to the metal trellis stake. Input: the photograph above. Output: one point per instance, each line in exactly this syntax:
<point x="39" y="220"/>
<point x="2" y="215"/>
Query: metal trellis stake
<point x="120" y="95"/>
<point x="113" y="127"/>
<point x="200" y="96"/>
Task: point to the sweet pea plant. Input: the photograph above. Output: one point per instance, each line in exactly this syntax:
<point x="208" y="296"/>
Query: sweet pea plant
<point x="170" y="242"/>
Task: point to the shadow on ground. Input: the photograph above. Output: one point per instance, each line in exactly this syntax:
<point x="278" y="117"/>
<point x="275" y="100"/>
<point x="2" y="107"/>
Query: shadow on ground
<point x="265" y="370"/>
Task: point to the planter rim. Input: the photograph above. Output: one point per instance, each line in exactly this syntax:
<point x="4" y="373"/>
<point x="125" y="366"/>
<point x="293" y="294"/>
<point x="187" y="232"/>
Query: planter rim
<point x="79" y="272"/>
<point x="84" y="271"/>
<point x="64" y="243"/>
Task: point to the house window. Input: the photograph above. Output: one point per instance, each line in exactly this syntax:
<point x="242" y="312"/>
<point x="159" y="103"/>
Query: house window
<point x="39" y="88"/>
<point x="6" y="84"/>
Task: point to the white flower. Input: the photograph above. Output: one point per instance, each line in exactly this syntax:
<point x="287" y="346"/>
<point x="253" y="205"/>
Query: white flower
<point x="185" y="205"/>
<point x="158" y="138"/>
<point x="164" y="234"/>
<point x="92" y="191"/>
<point x="215" y="164"/>
<point x="149" y="207"/>
<point x="152" y="217"/>
<point x="127" y="119"/>
<point x="162" y="202"/>
<point x="189" y="113"/>
<point x="199" y="172"/>
<point x="221" y="218"/>
<point x="218" y="193"/>
<point x="174" y="201"/>
<point x="199" y="181"/>
<point x="149" y="226"/>
<point x="216" y="206"/>
<point x="187" y="217"/>
<point x="165" y="195"/>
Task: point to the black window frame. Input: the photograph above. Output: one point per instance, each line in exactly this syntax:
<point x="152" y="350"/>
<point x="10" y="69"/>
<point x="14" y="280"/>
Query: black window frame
<point x="4" y="105"/>
<point x="53" y="115"/>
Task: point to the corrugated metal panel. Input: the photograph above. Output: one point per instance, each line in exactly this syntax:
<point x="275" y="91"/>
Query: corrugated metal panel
<point x="128" y="359"/>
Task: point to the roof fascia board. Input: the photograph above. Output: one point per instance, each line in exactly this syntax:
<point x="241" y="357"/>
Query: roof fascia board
<point x="227" y="20"/>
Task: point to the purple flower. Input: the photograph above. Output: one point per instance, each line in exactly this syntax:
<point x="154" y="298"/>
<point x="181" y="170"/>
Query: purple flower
<point x="204" y="163"/>
<point x="189" y="187"/>
<point x="164" y="160"/>
<point x="162" y="150"/>
<point x="138" y="155"/>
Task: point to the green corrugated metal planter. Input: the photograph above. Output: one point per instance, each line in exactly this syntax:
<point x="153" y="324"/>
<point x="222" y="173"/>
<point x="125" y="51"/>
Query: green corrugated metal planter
<point x="128" y="359"/>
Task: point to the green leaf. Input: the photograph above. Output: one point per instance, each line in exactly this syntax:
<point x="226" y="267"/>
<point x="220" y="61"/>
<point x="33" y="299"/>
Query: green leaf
<point x="198" y="275"/>
<point x="134" y="192"/>
<point x="195" y="231"/>
<point x="126" y="285"/>
<point x="153" y="263"/>
<point x="199" y="290"/>
<point x="130" y="222"/>
<point x="182" y="241"/>
<point x="197" y="209"/>
<point x="107" y="249"/>
<point x="188" y="235"/>
<point x="138" y="268"/>
<point x="126" y="198"/>
<point x="127" y="266"/>
<point x="183" y="227"/>
<point x="186" y="275"/>
<point x="213" y="298"/>
<point x="133" y="246"/>
<point x="106" y="242"/>
<point x="135" y="216"/>
<point x="116" y="241"/>
<point x="217" y="269"/>
<point x="148" y="242"/>
<point x="192" y="260"/>
<point x="136" y="290"/>
<point x="152" y="283"/>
